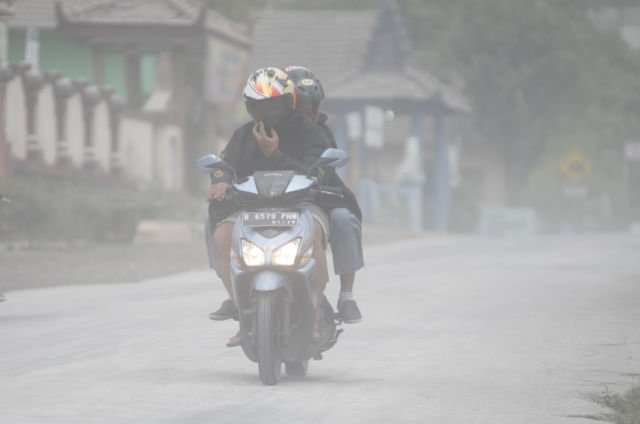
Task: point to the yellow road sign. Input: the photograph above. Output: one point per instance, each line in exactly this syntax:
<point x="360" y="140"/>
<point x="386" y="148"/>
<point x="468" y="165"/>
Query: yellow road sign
<point x="575" y="167"/>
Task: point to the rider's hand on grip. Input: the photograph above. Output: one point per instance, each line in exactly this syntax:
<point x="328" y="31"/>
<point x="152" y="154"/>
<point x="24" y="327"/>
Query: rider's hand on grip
<point x="219" y="191"/>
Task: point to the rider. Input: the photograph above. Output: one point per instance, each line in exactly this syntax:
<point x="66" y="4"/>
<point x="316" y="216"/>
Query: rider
<point x="345" y="216"/>
<point x="278" y="138"/>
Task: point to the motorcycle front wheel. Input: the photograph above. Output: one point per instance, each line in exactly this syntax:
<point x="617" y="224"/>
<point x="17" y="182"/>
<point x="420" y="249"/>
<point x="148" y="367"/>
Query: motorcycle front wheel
<point x="269" y="359"/>
<point x="296" y="369"/>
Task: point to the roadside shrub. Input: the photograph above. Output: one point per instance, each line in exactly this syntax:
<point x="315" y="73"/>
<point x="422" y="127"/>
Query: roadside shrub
<point x="624" y="408"/>
<point x="66" y="209"/>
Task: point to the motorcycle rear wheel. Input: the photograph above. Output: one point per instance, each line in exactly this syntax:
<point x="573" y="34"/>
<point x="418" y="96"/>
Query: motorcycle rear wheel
<point x="269" y="360"/>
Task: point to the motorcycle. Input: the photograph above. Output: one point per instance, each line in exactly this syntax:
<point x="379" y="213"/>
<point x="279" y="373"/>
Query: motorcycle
<point x="273" y="270"/>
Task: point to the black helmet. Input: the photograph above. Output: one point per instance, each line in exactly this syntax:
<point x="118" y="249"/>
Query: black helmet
<point x="308" y="86"/>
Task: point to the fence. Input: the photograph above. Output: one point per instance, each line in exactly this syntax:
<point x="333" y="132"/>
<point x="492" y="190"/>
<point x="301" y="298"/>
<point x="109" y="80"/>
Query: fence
<point x="64" y="123"/>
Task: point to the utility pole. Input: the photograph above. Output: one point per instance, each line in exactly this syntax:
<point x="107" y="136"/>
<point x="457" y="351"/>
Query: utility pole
<point x="5" y="76"/>
<point x="442" y="180"/>
<point x="5" y="155"/>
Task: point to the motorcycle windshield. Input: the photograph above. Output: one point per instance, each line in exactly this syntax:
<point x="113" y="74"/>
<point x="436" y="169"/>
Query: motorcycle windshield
<point x="272" y="184"/>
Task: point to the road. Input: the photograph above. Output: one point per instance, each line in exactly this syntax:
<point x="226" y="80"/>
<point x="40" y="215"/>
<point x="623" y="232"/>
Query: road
<point x="456" y="330"/>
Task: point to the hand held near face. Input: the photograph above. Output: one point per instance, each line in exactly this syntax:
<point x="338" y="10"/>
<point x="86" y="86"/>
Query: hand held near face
<point x="268" y="143"/>
<point x="267" y="129"/>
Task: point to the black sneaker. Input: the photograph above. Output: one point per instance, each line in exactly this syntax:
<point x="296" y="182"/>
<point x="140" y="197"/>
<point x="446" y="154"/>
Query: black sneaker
<point x="227" y="311"/>
<point x="349" y="311"/>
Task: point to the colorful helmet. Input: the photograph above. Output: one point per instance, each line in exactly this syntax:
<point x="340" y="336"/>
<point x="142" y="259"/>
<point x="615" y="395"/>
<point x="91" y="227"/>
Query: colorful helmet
<point x="307" y="85"/>
<point x="270" y="96"/>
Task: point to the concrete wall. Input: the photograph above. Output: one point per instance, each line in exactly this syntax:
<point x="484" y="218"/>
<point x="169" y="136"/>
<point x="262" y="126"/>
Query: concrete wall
<point x="16" y="119"/>
<point x="151" y="154"/>
<point x="102" y="137"/>
<point x="137" y="150"/>
<point x="169" y="157"/>
<point x="75" y="130"/>
<point x="46" y="124"/>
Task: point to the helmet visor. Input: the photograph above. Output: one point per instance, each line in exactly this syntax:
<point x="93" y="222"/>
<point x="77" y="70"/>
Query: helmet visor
<point x="272" y="112"/>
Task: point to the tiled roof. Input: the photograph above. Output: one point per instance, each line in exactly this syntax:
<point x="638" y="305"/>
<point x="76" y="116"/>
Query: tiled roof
<point x="5" y="9"/>
<point x="225" y="27"/>
<point x="408" y="84"/>
<point x="163" y="12"/>
<point x="331" y="43"/>
<point x="41" y="13"/>
<point x="358" y="55"/>
<point x="34" y="14"/>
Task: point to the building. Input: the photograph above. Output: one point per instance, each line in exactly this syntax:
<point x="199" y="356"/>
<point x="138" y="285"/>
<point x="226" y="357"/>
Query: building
<point x="386" y="109"/>
<point x="117" y="86"/>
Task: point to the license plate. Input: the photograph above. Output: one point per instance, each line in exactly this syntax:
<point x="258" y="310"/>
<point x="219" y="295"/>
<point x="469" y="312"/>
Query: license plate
<point x="270" y="218"/>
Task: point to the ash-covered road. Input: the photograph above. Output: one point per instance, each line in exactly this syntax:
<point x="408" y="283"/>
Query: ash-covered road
<point x="454" y="331"/>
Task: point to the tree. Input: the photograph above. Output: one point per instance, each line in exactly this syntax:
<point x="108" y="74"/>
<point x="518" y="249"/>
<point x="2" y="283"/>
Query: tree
<point x="537" y="71"/>
<point x="540" y="76"/>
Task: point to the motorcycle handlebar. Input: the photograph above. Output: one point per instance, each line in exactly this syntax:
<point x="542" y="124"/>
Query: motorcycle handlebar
<point x="330" y="191"/>
<point x="319" y="191"/>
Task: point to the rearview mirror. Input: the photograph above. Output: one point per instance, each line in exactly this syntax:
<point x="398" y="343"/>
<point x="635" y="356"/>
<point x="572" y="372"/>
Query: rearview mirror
<point x="206" y="164"/>
<point x="334" y="158"/>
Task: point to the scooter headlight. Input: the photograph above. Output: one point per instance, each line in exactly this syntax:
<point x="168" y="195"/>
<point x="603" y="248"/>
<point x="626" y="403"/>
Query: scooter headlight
<point x="306" y="256"/>
<point x="252" y="255"/>
<point x="287" y="254"/>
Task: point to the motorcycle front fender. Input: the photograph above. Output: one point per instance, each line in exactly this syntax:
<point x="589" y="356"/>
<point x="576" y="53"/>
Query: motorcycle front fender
<point x="266" y="281"/>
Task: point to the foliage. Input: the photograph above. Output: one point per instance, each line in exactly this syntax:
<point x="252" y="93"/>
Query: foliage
<point x="538" y="72"/>
<point x="625" y="408"/>
<point x="69" y="209"/>
<point x="45" y="209"/>
<point x="541" y="78"/>
<point x="98" y="210"/>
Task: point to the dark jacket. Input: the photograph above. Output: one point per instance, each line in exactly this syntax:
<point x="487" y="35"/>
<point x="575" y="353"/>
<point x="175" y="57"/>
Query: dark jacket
<point x="301" y="145"/>
<point x="322" y="121"/>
